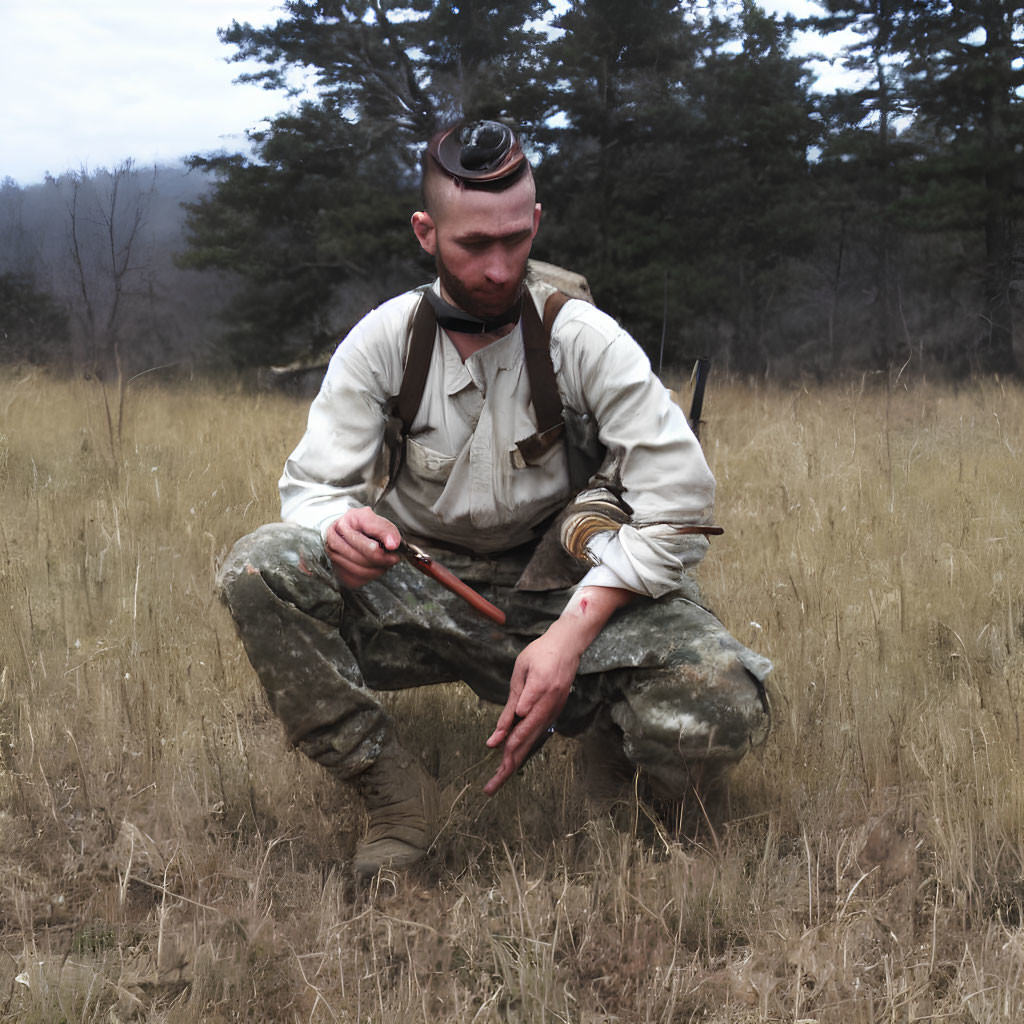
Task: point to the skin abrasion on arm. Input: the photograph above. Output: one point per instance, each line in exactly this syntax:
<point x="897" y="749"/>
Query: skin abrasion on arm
<point x="591" y="607"/>
<point x="543" y="676"/>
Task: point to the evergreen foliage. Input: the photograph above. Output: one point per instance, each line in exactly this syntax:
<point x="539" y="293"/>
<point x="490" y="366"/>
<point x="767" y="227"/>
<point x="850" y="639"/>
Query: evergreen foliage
<point x="33" y="324"/>
<point x="717" y="201"/>
<point x="861" y="176"/>
<point x="316" y="223"/>
<point x="668" y="165"/>
<point x="964" y="73"/>
<point x="937" y="138"/>
<point x="322" y="208"/>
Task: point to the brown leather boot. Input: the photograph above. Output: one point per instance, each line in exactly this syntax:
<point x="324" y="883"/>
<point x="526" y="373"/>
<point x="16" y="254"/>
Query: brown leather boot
<point x="402" y="801"/>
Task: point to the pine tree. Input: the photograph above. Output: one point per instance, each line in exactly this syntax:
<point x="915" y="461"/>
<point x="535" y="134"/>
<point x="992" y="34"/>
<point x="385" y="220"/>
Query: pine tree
<point x="33" y="323"/>
<point x="316" y="222"/>
<point x="611" y="182"/>
<point x="964" y="77"/>
<point x="677" y="171"/>
<point x="751" y="215"/>
<point x="863" y="162"/>
<point x="315" y="229"/>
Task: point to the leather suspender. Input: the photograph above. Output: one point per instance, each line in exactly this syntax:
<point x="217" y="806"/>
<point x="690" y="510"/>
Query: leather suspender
<point x="414" y="380"/>
<point x="547" y="405"/>
<point x="552" y="308"/>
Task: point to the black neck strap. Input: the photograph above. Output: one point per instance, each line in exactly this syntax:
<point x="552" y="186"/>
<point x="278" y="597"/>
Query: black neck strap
<point x="451" y="318"/>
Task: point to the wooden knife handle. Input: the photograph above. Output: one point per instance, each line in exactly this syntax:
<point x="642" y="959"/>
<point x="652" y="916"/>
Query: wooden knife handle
<point x="429" y="567"/>
<point x="448" y="579"/>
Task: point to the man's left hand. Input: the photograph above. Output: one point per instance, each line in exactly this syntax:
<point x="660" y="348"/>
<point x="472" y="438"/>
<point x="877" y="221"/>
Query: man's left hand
<point x="543" y="676"/>
<point x="538" y="690"/>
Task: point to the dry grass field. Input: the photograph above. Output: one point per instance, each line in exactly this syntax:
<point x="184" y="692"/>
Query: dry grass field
<point x="164" y="857"/>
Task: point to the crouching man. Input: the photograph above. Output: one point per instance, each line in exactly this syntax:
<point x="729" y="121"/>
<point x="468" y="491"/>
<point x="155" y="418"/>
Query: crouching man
<point x="522" y="440"/>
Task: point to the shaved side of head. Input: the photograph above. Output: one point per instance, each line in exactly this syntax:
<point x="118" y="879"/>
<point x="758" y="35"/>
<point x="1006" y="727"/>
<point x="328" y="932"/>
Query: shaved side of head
<point x="438" y="190"/>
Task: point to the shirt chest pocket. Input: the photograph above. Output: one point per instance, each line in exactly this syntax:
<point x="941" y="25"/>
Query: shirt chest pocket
<point x="427" y="464"/>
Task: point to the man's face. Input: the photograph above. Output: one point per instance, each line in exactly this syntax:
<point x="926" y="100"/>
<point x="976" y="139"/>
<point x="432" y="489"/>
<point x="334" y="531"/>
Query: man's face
<point x="480" y="242"/>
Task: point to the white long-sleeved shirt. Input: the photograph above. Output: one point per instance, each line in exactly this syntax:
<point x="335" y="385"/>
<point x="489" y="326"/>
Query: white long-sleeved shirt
<point x="460" y="483"/>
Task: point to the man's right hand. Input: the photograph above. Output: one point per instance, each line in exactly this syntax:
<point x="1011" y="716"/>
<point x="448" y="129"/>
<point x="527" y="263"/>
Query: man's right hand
<point x="362" y="546"/>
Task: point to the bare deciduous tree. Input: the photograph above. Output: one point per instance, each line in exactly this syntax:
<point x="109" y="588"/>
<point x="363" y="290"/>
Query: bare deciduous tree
<point x="109" y="258"/>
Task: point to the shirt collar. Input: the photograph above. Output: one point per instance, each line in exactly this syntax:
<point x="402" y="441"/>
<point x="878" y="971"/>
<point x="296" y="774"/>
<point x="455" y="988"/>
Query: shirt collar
<point x="504" y="354"/>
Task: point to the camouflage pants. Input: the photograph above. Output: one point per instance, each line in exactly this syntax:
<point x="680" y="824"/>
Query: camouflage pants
<point x="681" y="689"/>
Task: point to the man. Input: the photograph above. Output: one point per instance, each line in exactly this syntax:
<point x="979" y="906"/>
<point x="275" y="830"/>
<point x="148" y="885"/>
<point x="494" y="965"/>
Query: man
<point x="516" y="451"/>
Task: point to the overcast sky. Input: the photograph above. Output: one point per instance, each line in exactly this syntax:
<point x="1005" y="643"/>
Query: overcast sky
<point x="90" y="82"/>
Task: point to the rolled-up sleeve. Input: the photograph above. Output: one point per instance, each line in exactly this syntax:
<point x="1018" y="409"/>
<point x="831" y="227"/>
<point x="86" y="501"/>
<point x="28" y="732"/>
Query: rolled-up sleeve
<point x="664" y="476"/>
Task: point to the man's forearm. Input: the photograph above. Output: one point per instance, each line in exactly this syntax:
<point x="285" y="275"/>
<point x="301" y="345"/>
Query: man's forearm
<point x="586" y="614"/>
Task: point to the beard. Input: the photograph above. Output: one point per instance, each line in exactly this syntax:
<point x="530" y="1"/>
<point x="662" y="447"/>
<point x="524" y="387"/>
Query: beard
<point x="483" y="306"/>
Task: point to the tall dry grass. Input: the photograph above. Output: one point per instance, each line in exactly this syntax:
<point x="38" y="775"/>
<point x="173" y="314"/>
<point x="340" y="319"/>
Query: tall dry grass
<point x="163" y="857"/>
